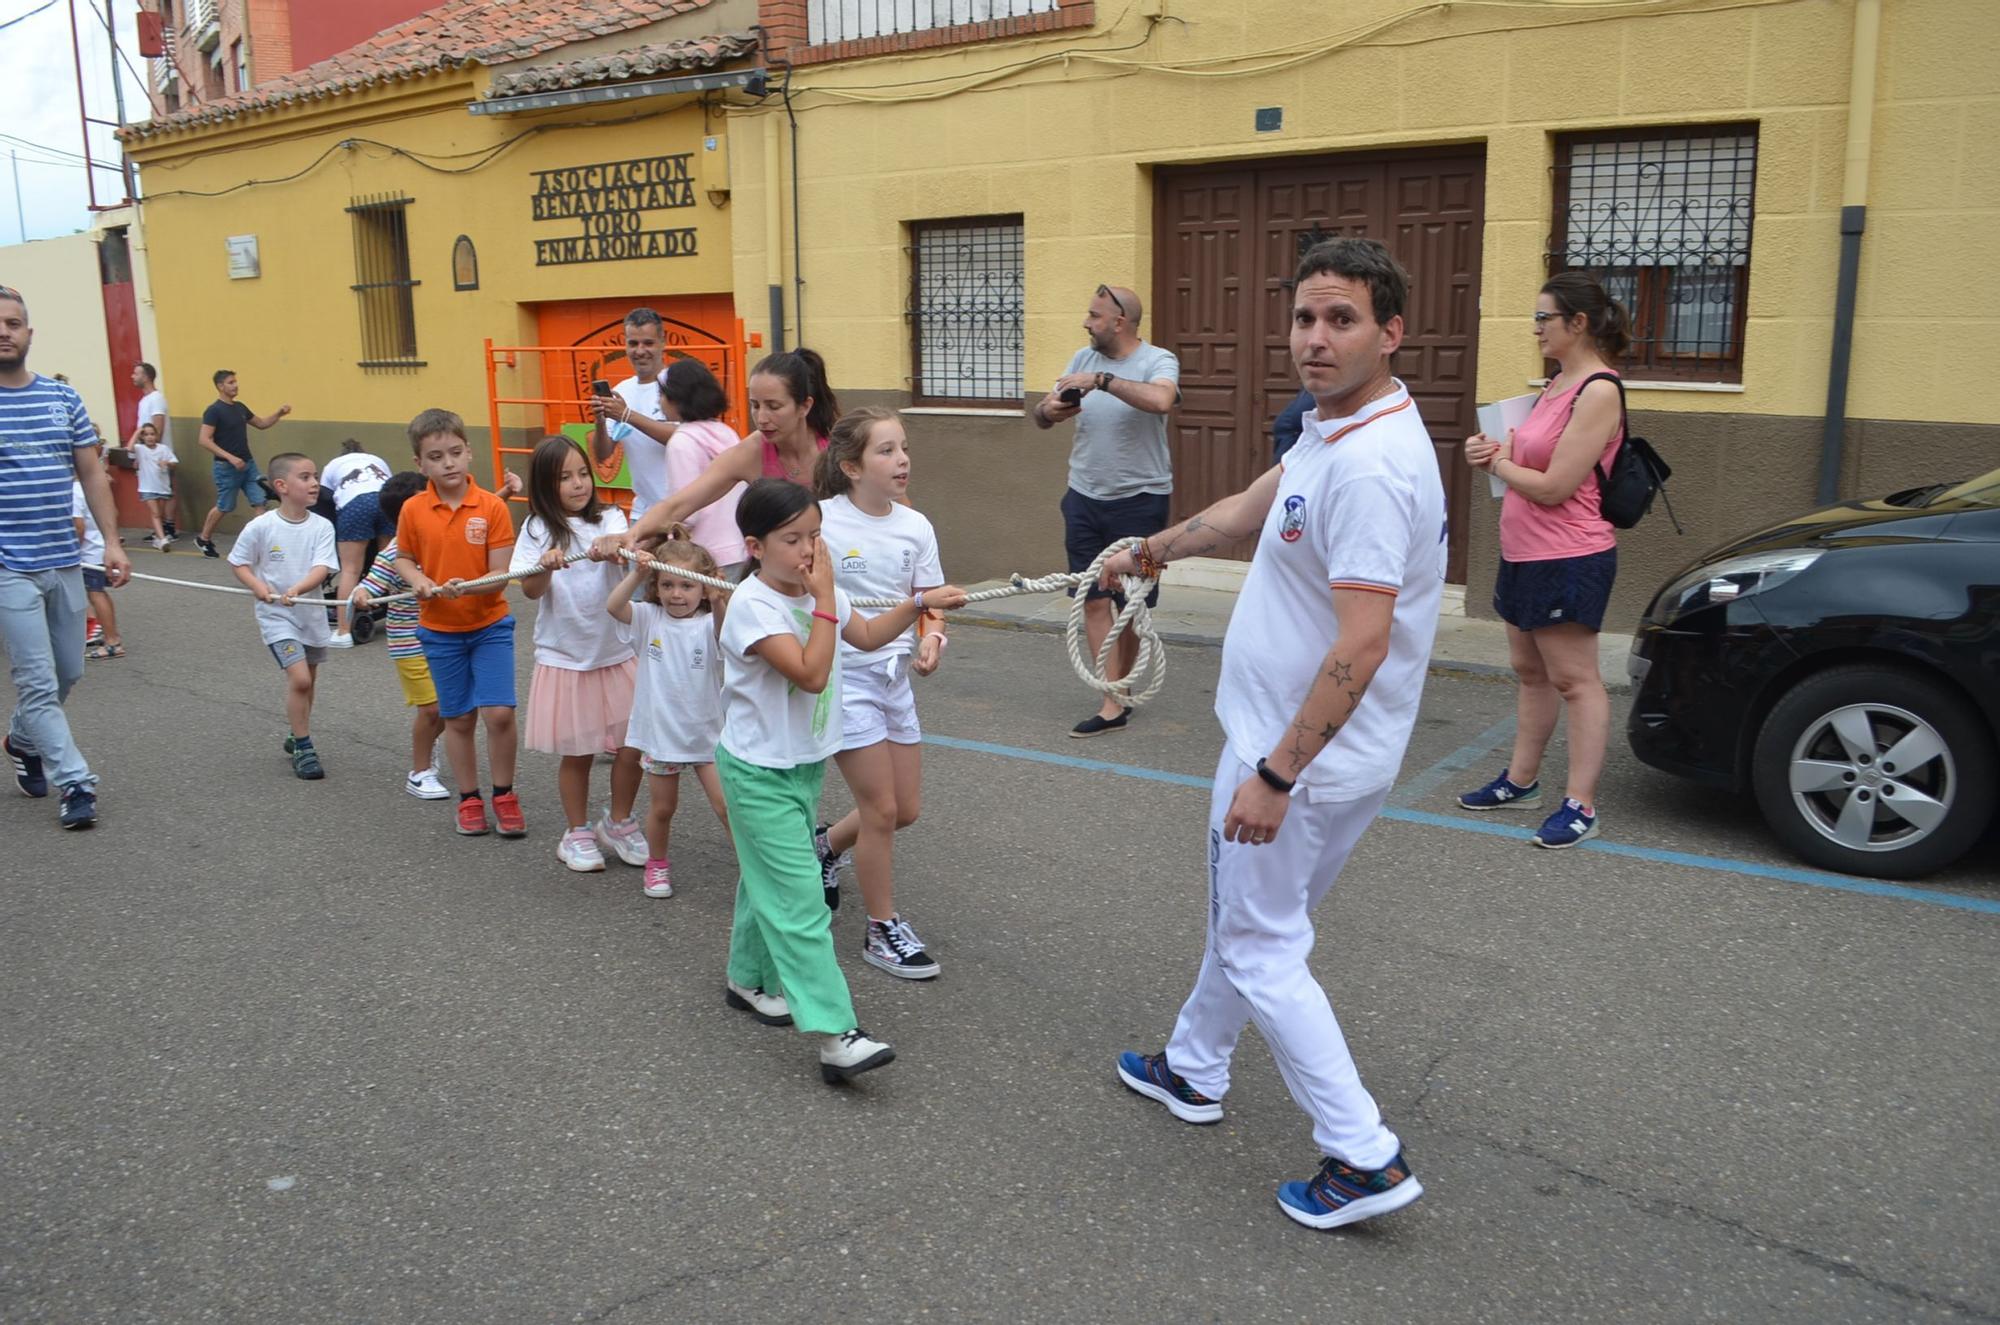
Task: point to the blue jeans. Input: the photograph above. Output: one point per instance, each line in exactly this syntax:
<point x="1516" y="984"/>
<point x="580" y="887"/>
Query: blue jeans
<point x="41" y="626"/>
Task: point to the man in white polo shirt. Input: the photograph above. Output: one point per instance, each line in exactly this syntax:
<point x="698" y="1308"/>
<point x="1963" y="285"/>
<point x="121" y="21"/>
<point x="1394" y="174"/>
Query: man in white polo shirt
<point x="633" y="417"/>
<point x="1322" y="669"/>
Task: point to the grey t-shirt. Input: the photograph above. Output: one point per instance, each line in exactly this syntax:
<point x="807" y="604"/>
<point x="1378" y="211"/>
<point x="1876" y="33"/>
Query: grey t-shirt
<point x="1121" y="451"/>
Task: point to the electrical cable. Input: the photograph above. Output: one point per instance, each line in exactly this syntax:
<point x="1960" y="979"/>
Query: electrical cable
<point x="25" y="17"/>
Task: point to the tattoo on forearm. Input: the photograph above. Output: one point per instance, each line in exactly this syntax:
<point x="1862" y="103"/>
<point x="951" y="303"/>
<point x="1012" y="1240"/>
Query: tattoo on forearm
<point x="1341" y="672"/>
<point x="1299" y="754"/>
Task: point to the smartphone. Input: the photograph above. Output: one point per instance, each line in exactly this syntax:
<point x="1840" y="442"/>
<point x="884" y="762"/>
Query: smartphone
<point x="1070" y="395"/>
<point x="600" y="387"/>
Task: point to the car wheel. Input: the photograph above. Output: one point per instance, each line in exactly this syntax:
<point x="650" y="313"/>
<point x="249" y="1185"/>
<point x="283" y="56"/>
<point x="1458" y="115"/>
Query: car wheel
<point x="1874" y="770"/>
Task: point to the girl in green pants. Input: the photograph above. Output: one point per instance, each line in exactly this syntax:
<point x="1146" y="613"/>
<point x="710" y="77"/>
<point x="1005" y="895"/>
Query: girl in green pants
<point x="781" y="722"/>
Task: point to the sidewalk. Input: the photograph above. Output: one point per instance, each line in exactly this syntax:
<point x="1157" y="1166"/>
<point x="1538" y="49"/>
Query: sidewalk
<point x="1191" y="615"/>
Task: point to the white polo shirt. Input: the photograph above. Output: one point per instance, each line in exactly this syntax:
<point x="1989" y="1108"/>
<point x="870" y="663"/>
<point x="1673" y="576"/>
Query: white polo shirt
<point x="1360" y="506"/>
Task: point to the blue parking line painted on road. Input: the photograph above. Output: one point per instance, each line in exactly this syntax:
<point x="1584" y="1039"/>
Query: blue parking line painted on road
<point x="1466" y="756"/>
<point x="1687" y="860"/>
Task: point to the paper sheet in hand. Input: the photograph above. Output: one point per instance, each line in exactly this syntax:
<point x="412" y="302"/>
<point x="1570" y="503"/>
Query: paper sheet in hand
<point x="1499" y="419"/>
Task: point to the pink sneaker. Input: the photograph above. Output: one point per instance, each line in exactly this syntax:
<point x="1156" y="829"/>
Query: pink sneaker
<point x="659" y="878"/>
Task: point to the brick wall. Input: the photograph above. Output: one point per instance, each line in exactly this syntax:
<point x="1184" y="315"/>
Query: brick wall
<point x="787" y="23"/>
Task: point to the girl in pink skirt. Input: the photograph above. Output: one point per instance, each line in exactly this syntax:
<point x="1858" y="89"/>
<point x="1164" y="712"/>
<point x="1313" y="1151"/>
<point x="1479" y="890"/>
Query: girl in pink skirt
<point x="581" y="697"/>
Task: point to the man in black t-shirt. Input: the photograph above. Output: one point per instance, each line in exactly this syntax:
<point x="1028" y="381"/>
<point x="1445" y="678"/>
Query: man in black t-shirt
<point x="225" y="433"/>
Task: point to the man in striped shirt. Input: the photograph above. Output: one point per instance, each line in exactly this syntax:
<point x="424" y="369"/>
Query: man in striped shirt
<point x="46" y="440"/>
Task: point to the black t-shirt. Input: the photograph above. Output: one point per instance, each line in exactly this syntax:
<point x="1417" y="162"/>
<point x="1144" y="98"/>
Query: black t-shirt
<point x="231" y="421"/>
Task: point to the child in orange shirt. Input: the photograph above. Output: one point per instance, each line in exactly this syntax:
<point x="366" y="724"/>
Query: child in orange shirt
<point x="453" y="531"/>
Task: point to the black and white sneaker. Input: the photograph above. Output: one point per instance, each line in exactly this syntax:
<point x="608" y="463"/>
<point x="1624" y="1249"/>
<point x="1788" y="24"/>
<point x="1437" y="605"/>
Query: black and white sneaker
<point x="895" y="947"/>
<point x="207" y="546"/>
<point x="845" y="1057"/>
<point x="830" y="862"/>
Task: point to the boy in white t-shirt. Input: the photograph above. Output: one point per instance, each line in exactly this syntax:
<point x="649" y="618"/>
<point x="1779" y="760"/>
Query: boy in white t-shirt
<point x="1322" y="669"/>
<point x="110" y="644"/>
<point x="282" y="556"/>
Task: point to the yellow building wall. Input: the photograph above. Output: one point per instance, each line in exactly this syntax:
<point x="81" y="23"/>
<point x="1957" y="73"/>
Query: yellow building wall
<point x="1069" y="141"/>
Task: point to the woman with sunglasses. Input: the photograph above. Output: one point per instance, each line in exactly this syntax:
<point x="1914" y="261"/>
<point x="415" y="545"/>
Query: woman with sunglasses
<point x="1558" y="554"/>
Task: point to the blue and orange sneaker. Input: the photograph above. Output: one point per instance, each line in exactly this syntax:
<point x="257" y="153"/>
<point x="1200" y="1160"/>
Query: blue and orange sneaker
<point x="1501" y="794"/>
<point x="1341" y="1194"/>
<point x="1149" y="1075"/>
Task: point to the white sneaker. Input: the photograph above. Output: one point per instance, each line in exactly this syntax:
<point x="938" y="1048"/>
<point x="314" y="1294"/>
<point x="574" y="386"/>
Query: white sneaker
<point x="845" y="1057"/>
<point x="578" y="850"/>
<point x="627" y="841"/>
<point x="343" y="640"/>
<point x="424" y="785"/>
<point x="771" y="1009"/>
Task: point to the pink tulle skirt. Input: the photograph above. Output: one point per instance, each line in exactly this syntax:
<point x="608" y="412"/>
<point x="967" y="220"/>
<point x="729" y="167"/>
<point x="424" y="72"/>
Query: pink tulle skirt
<point x="579" y="713"/>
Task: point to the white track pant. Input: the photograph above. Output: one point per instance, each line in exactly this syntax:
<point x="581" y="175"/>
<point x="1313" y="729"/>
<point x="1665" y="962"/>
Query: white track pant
<point x="1254" y="969"/>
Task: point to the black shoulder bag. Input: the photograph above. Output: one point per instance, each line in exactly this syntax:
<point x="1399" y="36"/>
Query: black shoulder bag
<point x="1637" y="472"/>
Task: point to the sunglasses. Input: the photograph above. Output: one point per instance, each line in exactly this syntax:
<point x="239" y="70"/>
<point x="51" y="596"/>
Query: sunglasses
<point x="1116" y="302"/>
<point x="1541" y="317"/>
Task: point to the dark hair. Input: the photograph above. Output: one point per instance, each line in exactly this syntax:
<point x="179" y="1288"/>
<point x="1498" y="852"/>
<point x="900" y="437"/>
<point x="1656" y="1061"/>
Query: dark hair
<point x="432" y="422"/>
<point x="222" y="375"/>
<point x="1360" y="260"/>
<point x="545" y="469"/>
<point x="646" y="317"/>
<point x="692" y="390"/>
<point x="768" y="504"/>
<point x="677" y="548"/>
<point x="398" y="490"/>
<point x="847" y="443"/>
<point x="152" y="373"/>
<point x="1578" y="292"/>
<point x="281" y="466"/>
<point x="804" y="374"/>
<point x="350" y="447"/>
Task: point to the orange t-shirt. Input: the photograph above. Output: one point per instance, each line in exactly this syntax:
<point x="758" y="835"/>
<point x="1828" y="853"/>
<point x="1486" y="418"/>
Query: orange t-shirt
<point x="453" y="544"/>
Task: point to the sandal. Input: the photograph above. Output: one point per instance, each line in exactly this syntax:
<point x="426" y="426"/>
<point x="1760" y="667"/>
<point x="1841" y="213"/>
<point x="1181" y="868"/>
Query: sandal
<point x="102" y="651"/>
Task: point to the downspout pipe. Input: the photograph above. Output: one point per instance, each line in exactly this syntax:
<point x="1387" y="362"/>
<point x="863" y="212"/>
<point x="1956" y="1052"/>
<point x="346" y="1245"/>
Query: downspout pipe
<point x="774" y="238"/>
<point x="1853" y="221"/>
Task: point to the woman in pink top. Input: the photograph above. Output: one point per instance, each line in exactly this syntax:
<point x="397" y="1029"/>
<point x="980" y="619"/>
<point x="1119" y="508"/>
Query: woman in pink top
<point x="690" y="395"/>
<point x="1558" y="554"/>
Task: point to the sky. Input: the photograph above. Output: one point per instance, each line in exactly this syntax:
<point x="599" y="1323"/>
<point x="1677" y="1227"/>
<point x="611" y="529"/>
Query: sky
<point x="38" y="113"/>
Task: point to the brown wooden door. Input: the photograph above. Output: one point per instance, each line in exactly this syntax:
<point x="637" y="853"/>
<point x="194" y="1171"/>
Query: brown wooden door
<point x="1227" y="241"/>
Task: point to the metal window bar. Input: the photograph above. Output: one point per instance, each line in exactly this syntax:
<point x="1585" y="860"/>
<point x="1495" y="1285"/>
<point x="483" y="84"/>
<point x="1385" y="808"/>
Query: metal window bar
<point x="1664" y="219"/>
<point x="382" y="282"/>
<point x="851" y="20"/>
<point x="967" y="309"/>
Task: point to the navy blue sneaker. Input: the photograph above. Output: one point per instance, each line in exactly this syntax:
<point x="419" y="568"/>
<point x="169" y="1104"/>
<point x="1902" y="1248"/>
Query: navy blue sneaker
<point x="1500" y="794"/>
<point x="1567" y="826"/>
<point x="79" y="806"/>
<point x="1340" y="1194"/>
<point x="1149" y="1075"/>
<point x="28" y="774"/>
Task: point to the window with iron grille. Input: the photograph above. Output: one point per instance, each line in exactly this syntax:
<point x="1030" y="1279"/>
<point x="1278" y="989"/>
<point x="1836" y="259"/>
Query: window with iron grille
<point x="966" y="305"/>
<point x="851" y="20"/>
<point x="1663" y="218"/>
<point x="382" y="282"/>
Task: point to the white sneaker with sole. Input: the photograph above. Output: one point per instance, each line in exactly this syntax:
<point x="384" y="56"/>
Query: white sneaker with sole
<point x="771" y="1009"/>
<point x="344" y="640"/>
<point x="424" y="785"/>
<point x="627" y="840"/>
<point x="578" y="850"/>
<point x="845" y="1057"/>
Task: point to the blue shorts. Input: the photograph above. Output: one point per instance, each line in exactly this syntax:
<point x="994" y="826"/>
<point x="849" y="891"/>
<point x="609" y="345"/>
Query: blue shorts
<point x="1090" y="526"/>
<point x="94" y="581"/>
<point x="229" y="480"/>
<point x="1529" y="595"/>
<point x="472" y="669"/>
<point x="360" y="521"/>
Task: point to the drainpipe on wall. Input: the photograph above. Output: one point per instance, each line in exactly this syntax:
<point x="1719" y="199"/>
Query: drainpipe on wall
<point x="1853" y="220"/>
<point x="774" y="239"/>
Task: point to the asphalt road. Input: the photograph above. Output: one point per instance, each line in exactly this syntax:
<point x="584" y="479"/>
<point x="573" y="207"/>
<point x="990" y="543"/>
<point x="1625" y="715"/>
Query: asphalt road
<point x="296" y="1052"/>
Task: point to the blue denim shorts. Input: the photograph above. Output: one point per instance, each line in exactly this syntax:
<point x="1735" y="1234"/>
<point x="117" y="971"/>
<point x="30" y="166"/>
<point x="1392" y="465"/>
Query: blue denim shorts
<point x="229" y="480"/>
<point x="1566" y="591"/>
<point x="472" y="669"/>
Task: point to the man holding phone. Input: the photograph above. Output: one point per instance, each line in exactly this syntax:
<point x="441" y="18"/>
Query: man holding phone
<point x="1119" y="390"/>
<point x="631" y="414"/>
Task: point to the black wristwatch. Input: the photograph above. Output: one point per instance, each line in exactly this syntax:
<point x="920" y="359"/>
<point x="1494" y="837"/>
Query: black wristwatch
<point x="1104" y="381"/>
<point x="1272" y="780"/>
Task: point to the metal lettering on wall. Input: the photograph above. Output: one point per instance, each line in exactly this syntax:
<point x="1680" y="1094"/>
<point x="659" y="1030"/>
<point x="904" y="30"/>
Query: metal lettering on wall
<point x="610" y="198"/>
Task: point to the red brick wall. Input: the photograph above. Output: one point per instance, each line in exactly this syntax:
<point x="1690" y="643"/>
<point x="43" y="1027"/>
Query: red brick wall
<point x="786" y="22"/>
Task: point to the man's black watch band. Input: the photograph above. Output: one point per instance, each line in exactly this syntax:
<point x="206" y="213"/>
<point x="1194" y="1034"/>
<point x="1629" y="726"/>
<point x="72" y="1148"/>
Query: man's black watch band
<point x="1271" y="778"/>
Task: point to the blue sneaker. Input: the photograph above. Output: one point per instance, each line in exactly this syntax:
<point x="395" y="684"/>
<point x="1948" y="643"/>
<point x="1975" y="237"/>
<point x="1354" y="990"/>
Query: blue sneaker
<point x="1567" y="826"/>
<point x="1500" y="794"/>
<point x="1149" y="1075"/>
<point x="28" y="775"/>
<point x="1339" y="1194"/>
<point x="79" y="806"/>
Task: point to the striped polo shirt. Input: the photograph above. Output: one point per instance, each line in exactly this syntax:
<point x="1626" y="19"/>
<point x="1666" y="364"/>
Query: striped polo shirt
<point x="41" y="424"/>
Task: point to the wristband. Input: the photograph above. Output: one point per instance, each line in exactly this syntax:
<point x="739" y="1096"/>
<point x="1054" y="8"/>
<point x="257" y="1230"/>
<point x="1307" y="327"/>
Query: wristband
<point x="826" y="616"/>
<point x="918" y="599"/>
<point x="942" y="639"/>
<point x="1271" y="778"/>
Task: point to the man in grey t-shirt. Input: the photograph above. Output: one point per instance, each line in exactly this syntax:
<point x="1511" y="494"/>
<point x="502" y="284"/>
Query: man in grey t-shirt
<point x="1120" y="477"/>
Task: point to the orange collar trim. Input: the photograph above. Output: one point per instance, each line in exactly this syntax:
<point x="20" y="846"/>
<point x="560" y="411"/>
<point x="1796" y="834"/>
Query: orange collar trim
<point x="1404" y="403"/>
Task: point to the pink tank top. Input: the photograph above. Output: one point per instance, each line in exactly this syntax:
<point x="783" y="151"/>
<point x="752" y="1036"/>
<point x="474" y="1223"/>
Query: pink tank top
<point x="775" y="467"/>
<point x="1530" y="531"/>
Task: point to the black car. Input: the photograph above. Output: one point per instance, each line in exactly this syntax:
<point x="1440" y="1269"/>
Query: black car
<point x="1845" y="668"/>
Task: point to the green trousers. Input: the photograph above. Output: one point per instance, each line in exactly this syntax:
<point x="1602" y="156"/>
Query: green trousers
<point x="781" y="939"/>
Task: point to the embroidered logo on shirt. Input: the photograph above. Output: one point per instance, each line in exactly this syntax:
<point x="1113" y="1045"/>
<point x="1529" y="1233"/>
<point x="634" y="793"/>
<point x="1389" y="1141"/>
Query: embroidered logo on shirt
<point x="907" y="561"/>
<point x="854" y="563"/>
<point x="475" y="531"/>
<point x="1293" y="526"/>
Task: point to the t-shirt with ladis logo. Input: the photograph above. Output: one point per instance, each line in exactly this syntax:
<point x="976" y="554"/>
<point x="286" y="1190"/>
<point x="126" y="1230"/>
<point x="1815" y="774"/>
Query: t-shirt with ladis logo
<point x="281" y="554"/>
<point x="880" y="556"/>
<point x="677" y="695"/>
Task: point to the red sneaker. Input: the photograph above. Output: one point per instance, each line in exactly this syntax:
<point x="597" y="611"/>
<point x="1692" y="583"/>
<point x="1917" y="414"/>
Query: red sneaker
<point x="472" y="817"/>
<point x="507" y="810"/>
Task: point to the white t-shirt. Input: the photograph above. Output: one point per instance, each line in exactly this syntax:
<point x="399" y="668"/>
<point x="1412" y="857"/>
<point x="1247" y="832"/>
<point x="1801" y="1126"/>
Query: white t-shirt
<point x="282" y="553"/>
<point x="883" y="556"/>
<point x="1360" y="505"/>
<point x="572" y="629"/>
<point x="768" y="721"/>
<point x="156" y="473"/>
<point x="677" y="700"/>
<point x="348" y="476"/>
<point x="644" y="457"/>
<point x="154" y="402"/>
<point x="93" y="542"/>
